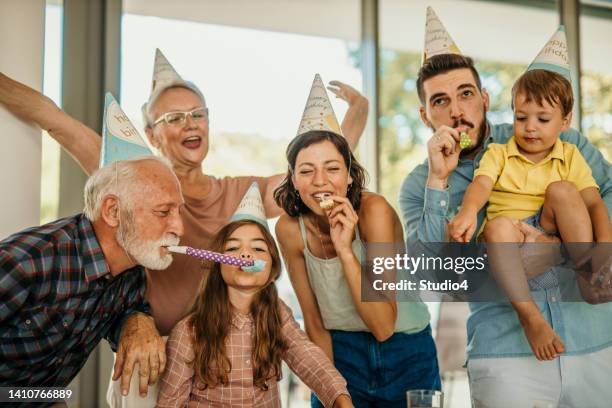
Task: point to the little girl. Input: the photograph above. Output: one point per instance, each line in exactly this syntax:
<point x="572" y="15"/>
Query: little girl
<point x="228" y="350"/>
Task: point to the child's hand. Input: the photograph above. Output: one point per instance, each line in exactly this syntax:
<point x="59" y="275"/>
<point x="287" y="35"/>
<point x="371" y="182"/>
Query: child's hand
<point x="461" y="228"/>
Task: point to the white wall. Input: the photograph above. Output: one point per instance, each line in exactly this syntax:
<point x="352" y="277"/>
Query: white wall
<point x="22" y="32"/>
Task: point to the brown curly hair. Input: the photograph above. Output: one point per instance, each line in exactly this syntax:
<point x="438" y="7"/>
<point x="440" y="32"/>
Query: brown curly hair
<point x="211" y="317"/>
<point x="287" y="197"/>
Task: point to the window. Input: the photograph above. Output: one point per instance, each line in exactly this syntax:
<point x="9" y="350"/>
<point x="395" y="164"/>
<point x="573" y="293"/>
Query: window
<point x="596" y="81"/>
<point x="52" y="85"/>
<point x="255" y="71"/>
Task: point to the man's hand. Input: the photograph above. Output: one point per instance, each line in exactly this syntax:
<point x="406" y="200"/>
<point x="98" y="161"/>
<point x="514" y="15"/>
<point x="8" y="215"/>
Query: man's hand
<point x="540" y="251"/>
<point x="463" y="225"/>
<point x="602" y="266"/>
<point x="593" y="294"/>
<point x="140" y="343"/>
<point x="600" y="259"/>
<point x="443" y="156"/>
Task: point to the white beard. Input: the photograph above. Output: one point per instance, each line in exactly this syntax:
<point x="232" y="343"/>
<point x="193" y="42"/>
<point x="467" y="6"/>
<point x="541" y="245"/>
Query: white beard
<point x="146" y="253"/>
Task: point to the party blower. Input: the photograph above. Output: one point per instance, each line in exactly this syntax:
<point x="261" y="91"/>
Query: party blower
<point x="244" y="264"/>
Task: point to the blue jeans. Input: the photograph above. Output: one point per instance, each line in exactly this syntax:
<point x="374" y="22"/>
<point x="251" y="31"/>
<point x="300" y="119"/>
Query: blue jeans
<point x="379" y="373"/>
<point x="534" y="221"/>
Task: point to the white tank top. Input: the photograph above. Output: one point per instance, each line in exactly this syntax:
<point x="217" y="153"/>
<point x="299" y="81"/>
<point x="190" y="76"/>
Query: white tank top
<point x="334" y="297"/>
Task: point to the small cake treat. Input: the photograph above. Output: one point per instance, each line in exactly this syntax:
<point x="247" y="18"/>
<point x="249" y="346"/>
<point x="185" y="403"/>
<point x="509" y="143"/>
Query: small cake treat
<point x="464" y="141"/>
<point x="326" y="202"/>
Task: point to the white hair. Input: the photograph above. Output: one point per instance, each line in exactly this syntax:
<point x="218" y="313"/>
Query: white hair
<point x="147" y="115"/>
<point x="121" y="179"/>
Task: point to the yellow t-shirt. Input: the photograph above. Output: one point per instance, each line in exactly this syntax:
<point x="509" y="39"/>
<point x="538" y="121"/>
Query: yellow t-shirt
<point x="520" y="184"/>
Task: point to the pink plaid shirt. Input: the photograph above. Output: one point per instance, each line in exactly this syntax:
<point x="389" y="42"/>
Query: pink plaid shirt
<point x="179" y="386"/>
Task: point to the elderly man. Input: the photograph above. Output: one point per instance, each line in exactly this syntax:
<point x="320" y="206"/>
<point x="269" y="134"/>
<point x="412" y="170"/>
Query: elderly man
<point x="66" y="285"/>
<point x="503" y="372"/>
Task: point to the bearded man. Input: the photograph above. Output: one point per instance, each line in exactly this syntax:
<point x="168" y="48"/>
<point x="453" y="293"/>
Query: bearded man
<point x="66" y="285"/>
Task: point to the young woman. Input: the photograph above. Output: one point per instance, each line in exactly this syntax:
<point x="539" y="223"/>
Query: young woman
<point x="381" y="348"/>
<point x="228" y="350"/>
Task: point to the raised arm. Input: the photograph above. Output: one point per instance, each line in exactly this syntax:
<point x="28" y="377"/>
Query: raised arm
<point x="356" y="117"/>
<point x="31" y="106"/>
<point x="291" y="247"/>
<point x="424" y="198"/>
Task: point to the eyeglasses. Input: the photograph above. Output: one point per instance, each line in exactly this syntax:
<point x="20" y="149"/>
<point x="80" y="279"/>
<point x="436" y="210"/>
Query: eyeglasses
<point x="179" y="118"/>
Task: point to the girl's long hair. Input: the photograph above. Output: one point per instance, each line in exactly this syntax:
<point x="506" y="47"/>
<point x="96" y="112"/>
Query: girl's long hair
<point x="211" y="318"/>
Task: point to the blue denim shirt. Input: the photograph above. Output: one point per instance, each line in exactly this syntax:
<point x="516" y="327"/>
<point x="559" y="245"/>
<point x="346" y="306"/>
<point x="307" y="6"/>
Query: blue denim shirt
<point x="493" y="328"/>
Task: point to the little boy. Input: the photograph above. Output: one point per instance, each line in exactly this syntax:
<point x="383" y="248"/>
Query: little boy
<point x="540" y="180"/>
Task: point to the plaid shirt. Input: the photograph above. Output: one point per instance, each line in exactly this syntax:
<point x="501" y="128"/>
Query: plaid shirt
<point x="180" y="387"/>
<point x="58" y="299"/>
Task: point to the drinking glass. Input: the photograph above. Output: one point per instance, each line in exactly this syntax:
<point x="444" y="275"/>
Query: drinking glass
<point x="425" y="399"/>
